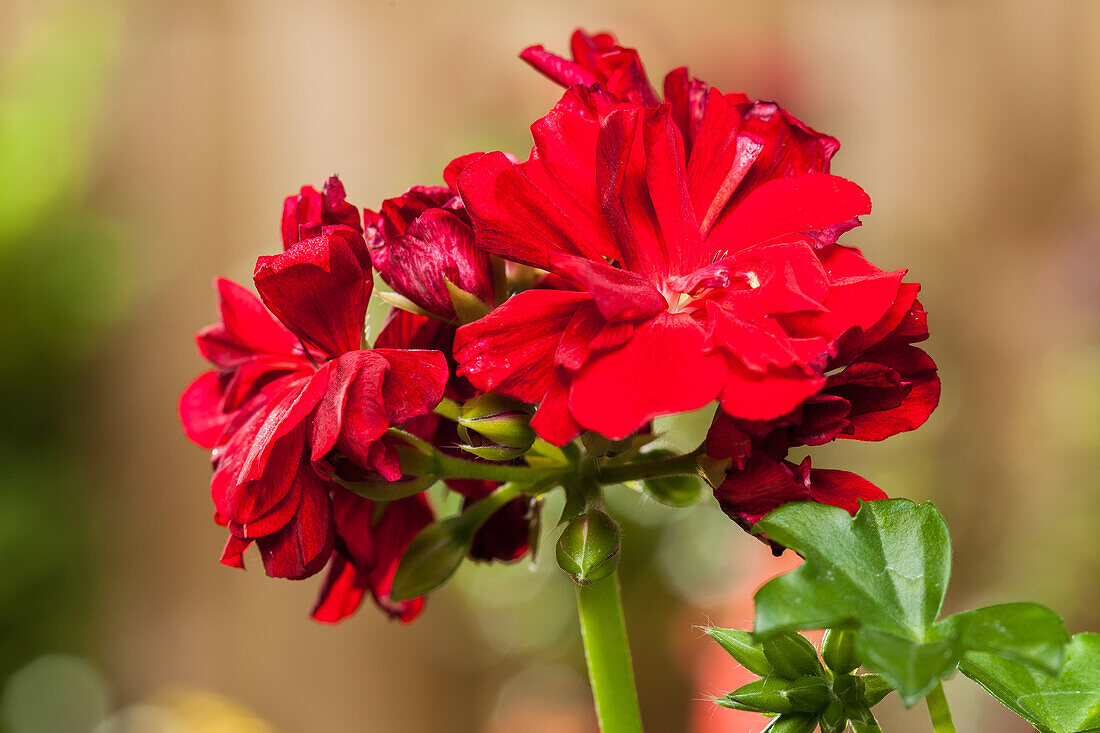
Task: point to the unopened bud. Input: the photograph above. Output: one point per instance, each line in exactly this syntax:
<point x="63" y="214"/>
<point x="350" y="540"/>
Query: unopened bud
<point x="495" y="427"/>
<point x="588" y="548"/>
<point x="766" y="695"/>
<point x="677" y="491"/>
<point x="739" y="645"/>
<point x="791" y="655"/>
<point x="838" y="649"/>
<point x="432" y="557"/>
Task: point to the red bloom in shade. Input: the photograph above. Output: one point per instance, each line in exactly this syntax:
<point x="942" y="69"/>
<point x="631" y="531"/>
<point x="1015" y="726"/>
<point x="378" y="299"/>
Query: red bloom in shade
<point x="878" y="385"/>
<point x="288" y="393"/>
<point x="694" y="236"/>
<point x="422" y="240"/>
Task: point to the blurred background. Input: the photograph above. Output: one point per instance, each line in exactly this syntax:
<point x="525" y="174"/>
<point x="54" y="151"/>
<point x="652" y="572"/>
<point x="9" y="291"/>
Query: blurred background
<point x="146" y="147"/>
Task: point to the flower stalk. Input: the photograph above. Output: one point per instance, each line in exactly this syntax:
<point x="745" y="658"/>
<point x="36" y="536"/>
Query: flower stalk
<point x="607" y="654"/>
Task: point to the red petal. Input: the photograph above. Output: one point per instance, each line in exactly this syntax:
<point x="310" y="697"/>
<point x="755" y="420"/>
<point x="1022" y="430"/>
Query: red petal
<point x="342" y="592"/>
<point x="303" y="547"/>
<point x="752" y="396"/>
<point x="319" y="289"/>
<point x="819" y="206"/>
<point x="511" y="350"/>
<point x="200" y="410"/>
<point x="413" y="383"/>
<point x="842" y="489"/>
<point x="660" y="371"/>
<point x="553" y="421"/>
<point x="617" y="293"/>
<point x="246" y="329"/>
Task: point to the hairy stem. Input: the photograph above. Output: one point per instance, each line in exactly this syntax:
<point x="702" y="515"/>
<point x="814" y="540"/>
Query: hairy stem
<point x="938" y="711"/>
<point x="608" y="656"/>
<point x="685" y="465"/>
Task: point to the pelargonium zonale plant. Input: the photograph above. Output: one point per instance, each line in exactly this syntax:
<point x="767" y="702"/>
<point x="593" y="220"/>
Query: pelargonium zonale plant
<point x="655" y="253"/>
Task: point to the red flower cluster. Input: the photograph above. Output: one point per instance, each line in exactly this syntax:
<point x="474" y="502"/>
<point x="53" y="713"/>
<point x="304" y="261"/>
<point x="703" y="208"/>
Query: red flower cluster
<point x="289" y="391"/>
<point x="661" y="255"/>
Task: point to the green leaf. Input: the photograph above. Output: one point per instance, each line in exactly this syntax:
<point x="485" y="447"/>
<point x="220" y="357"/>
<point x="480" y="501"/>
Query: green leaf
<point x="1067" y="703"/>
<point x="885" y="572"/>
<point x="885" y="569"/>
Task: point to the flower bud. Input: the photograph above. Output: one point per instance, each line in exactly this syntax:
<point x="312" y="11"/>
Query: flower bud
<point x="675" y="491"/>
<point x="766" y="695"/>
<point x="588" y="548"/>
<point x="838" y="649"/>
<point x="432" y="557"/>
<point x="495" y="427"/>
<point x="791" y="655"/>
<point x="739" y="645"/>
<point x="792" y="723"/>
<point x="808" y="694"/>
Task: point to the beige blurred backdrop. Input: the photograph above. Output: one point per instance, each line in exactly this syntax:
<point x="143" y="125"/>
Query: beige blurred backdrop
<point x="975" y="127"/>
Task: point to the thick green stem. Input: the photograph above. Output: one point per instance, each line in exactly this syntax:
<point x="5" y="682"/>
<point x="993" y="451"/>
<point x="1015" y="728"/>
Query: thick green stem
<point x="448" y="467"/>
<point x="685" y="465"/>
<point x="608" y="656"/>
<point x="938" y="711"/>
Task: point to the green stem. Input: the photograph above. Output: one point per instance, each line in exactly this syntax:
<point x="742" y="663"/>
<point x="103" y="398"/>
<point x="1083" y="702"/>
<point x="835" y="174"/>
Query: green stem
<point x="448" y="467"/>
<point x="608" y="656"/>
<point x="685" y="465"/>
<point x="938" y="711"/>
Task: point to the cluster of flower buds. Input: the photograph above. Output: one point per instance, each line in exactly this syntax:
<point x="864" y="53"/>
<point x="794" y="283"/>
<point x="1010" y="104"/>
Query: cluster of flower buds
<point x="795" y="689"/>
<point x="650" y="256"/>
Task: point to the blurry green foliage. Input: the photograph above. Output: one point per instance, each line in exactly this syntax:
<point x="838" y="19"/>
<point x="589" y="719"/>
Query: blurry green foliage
<point x="60" y="282"/>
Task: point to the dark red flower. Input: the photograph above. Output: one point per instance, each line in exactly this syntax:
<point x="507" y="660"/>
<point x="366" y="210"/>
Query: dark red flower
<point x="422" y="240"/>
<point x="287" y="394"/>
<point x="878" y="385"/>
<point x="697" y="276"/>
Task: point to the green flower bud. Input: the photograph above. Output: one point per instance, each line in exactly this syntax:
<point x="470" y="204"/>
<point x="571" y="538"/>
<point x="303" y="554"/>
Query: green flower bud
<point x="838" y="649"/>
<point x="833" y="719"/>
<point x="739" y="645"/>
<point x="808" y="694"/>
<point x="766" y="695"/>
<point x="791" y="655"/>
<point x="495" y="427"/>
<point x="793" y="723"/>
<point x="873" y="688"/>
<point x="432" y="557"/>
<point x="588" y="549"/>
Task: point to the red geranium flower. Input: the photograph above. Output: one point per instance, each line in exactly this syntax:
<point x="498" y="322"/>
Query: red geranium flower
<point x="694" y="235"/>
<point x="422" y="240"/>
<point x="288" y="393"/>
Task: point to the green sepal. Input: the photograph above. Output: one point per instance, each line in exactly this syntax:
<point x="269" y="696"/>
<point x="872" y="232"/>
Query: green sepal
<point x="741" y="646"/>
<point x="873" y="689"/>
<point x="792" y="723"/>
<point x="833" y="719"/>
<point x="468" y="307"/>
<point x="765" y="695"/>
<point x="431" y="559"/>
<point x="791" y="655"/>
<point x="808" y="694"/>
<point x="838" y="650"/>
